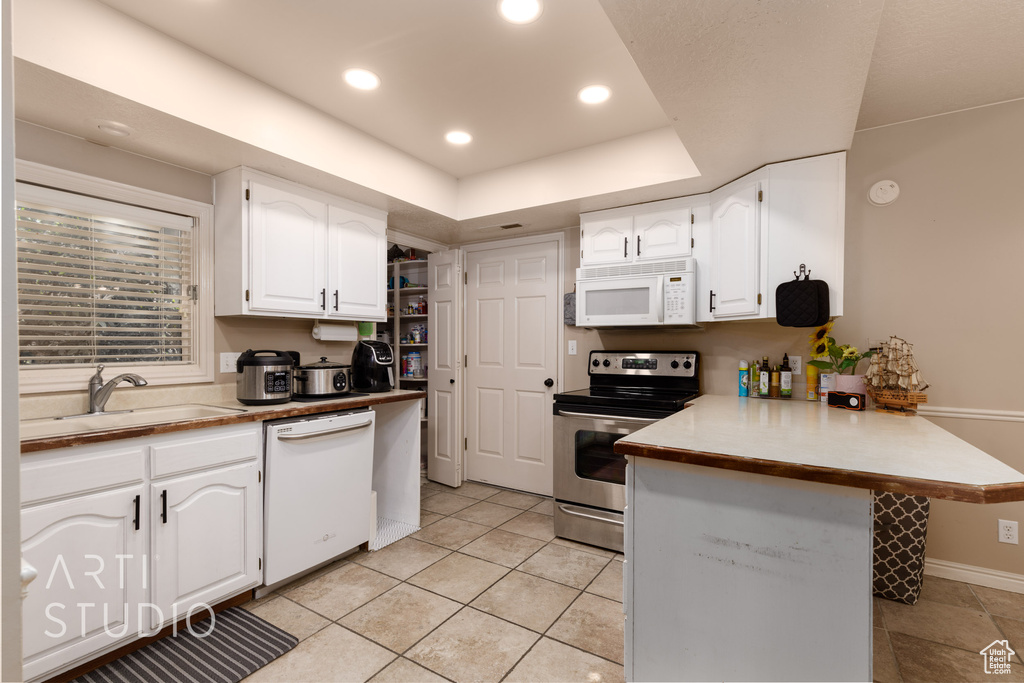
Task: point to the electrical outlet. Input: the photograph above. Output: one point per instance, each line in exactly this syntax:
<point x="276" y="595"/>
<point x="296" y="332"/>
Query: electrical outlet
<point x="228" y="360"/>
<point x="796" y="364"/>
<point x="1007" y="531"/>
<point x="572" y="347"/>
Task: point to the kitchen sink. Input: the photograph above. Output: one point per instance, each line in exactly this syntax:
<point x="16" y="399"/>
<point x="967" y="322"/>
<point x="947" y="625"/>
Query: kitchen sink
<point x="54" y="426"/>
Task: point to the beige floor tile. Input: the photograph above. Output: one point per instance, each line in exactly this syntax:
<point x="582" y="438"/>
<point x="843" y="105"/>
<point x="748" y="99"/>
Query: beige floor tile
<point x="608" y="583"/>
<point x="446" y="503"/>
<point x="404" y="671"/>
<point x="427" y="518"/>
<point x="529" y="601"/>
<point x="523" y="501"/>
<point x="948" y="592"/>
<point x="503" y="547"/>
<point x="475" y="490"/>
<point x="564" y="565"/>
<point x="459" y="577"/>
<point x="473" y="646"/>
<point x="401" y="616"/>
<point x="451" y="533"/>
<point x="434" y="486"/>
<point x="1001" y="603"/>
<point x="946" y="624"/>
<point x="1014" y="632"/>
<point x="403" y="558"/>
<point x="549" y="660"/>
<point x="541" y="527"/>
<point x="291" y="617"/>
<point x="427" y="493"/>
<point x="336" y="594"/>
<point x="877" y="618"/>
<point x="333" y="654"/>
<point x="545" y="507"/>
<point x="594" y="624"/>
<point x="884" y="669"/>
<point x="488" y="514"/>
<point x="256" y="602"/>
<point x="922" y="661"/>
<point x="592" y="549"/>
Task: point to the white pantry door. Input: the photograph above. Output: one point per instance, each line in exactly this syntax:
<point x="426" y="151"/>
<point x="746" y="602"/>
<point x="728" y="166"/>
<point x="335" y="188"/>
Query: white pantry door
<point x="444" y="359"/>
<point x="512" y="319"/>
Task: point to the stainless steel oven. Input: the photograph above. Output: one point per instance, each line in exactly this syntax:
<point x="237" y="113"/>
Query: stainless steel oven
<point x="628" y="391"/>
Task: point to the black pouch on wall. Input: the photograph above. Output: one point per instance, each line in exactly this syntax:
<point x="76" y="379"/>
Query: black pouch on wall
<point x="802" y="302"/>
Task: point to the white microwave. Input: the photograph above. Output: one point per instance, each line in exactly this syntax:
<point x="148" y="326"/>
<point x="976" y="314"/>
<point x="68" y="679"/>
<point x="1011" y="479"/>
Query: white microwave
<point x="636" y="295"/>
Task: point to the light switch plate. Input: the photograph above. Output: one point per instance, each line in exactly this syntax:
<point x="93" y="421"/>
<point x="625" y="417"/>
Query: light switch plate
<point x="796" y="364"/>
<point x="572" y="347"/>
<point x="228" y="361"/>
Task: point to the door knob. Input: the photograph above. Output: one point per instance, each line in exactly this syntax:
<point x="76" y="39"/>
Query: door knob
<point x="451" y="381"/>
<point x="549" y="382"/>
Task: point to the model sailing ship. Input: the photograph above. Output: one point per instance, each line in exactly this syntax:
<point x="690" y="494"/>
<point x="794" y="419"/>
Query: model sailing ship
<point x="893" y="379"/>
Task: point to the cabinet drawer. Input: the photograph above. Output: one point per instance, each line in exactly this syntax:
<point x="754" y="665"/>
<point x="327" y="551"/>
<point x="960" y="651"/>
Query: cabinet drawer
<point x="74" y="471"/>
<point x="206" y="448"/>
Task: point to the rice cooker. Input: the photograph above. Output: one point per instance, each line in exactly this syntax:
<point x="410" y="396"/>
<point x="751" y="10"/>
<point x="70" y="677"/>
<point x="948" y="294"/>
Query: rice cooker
<point x="317" y="381"/>
<point x="264" y="377"/>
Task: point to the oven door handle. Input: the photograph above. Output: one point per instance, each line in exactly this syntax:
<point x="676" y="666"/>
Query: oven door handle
<point x="574" y="513"/>
<point x="646" y="420"/>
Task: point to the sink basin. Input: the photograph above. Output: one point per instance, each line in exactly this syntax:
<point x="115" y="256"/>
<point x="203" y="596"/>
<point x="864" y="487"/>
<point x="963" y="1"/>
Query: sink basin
<point x="50" y="426"/>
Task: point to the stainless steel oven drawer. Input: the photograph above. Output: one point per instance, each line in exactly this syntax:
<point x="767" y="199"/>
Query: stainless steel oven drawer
<point x="602" y="528"/>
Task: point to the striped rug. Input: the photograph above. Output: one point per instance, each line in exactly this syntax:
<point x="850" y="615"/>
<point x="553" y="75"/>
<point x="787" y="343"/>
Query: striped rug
<point x="238" y="644"/>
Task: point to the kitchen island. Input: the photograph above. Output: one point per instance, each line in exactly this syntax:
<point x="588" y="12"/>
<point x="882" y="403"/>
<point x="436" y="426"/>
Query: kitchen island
<point x="749" y="533"/>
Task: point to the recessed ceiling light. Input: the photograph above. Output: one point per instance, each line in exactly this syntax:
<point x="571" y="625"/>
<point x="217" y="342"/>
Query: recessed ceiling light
<point x="594" y="94"/>
<point x="458" y="137"/>
<point x="520" y="11"/>
<point x="115" y="128"/>
<point x="362" y="79"/>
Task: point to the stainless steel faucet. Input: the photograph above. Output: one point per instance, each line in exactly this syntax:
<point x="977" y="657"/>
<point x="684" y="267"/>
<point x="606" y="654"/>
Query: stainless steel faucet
<point x="100" y="392"/>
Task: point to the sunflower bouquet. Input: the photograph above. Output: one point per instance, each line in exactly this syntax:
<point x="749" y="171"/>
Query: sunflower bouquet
<point x="832" y="357"/>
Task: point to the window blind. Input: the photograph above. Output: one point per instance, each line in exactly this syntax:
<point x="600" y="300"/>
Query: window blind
<point x="102" y="282"/>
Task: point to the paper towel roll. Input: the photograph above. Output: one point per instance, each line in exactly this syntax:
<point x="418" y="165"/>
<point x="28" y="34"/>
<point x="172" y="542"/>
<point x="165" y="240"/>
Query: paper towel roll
<point x="335" y="332"/>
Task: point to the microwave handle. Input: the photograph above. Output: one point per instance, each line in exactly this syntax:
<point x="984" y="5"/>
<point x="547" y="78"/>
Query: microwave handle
<point x="660" y="304"/>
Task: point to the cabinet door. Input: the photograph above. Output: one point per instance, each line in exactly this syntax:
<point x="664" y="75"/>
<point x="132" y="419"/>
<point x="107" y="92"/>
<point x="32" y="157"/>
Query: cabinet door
<point x="662" y="235"/>
<point x="206" y="539"/>
<point x="357" y="275"/>
<point x="89" y="554"/>
<point x="735" y="251"/>
<point x="287" y="239"/>
<point x="606" y="241"/>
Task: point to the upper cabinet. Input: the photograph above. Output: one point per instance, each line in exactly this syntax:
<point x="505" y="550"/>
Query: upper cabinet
<point x="658" y="231"/>
<point x="764" y="226"/>
<point x="285" y="250"/>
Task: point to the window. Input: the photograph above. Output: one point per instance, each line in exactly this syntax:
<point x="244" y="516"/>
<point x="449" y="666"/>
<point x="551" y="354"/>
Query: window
<point x="110" y="282"/>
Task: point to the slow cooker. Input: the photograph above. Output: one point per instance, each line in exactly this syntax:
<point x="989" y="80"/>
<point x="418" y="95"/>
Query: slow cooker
<point x="264" y="377"/>
<point x="321" y="380"/>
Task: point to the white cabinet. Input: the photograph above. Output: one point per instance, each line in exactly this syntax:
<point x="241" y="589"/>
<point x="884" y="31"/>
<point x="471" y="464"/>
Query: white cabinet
<point x="206" y="539"/>
<point x="286" y="250"/>
<point x="657" y="231"/>
<point x="111" y="569"/>
<point x="764" y="226"/>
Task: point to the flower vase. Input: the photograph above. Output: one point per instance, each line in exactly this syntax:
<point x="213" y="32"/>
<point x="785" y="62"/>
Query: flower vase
<point x="851" y="384"/>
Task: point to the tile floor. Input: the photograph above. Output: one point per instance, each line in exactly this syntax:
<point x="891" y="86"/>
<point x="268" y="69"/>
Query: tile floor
<point x="485" y="592"/>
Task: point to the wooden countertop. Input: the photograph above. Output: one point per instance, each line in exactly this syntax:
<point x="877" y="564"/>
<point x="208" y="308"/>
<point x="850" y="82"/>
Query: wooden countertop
<point x="806" y="440"/>
<point x="251" y="414"/>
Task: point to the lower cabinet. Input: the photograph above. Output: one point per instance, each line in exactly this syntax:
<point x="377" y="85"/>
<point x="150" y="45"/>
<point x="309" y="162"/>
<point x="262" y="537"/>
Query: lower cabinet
<point x="123" y="551"/>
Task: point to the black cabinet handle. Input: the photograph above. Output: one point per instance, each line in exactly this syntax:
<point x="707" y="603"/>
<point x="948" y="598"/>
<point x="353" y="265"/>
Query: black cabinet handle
<point x="335" y="299"/>
<point x="712" y="303"/>
<point x="323" y="299"/>
<point x="163" y="513"/>
<point x="625" y="247"/>
<point x="138" y="502"/>
<point x="638" y="245"/>
<point x="549" y="382"/>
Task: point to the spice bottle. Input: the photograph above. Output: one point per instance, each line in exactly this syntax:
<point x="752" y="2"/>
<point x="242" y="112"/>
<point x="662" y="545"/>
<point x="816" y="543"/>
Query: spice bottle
<point x="775" y="383"/>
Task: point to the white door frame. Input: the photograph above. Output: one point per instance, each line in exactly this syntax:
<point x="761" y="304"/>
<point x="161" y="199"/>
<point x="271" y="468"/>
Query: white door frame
<point x="559" y="238"/>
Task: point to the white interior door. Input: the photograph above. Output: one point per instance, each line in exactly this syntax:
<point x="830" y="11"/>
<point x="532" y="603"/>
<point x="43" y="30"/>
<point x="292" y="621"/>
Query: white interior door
<point x="444" y="358"/>
<point x="512" y="321"/>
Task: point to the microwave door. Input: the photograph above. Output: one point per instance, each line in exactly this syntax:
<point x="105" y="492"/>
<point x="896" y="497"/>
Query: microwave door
<point x="620" y="301"/>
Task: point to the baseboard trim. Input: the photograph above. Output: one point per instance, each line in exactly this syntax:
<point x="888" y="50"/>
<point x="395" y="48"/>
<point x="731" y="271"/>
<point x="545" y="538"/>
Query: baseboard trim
<point x="980" y="576"/>
<point x="971" y="413"/>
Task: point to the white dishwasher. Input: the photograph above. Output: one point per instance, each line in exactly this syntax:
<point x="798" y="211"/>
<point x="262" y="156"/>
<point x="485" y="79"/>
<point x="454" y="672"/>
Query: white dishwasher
<point x="316" y="504"/>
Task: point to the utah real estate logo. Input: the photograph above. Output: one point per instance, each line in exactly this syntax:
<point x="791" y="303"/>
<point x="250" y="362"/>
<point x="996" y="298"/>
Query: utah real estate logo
<point x="997" y="657"/>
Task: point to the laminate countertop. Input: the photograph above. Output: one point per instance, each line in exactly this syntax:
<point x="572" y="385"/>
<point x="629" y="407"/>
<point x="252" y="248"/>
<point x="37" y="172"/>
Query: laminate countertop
<point x="246" y="414"/>
<point x="809" y="441"/>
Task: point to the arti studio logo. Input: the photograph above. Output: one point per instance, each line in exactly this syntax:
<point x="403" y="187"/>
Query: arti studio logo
<point x="997" y="657"/>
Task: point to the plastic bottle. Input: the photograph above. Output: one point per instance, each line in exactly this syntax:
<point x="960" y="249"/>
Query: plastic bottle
<point x="744" y="378"/>
<point x="765" y="377"/>
<point x="812" y="383"/>
<point x="755" y="378"/>
<point x="786" y="378"/>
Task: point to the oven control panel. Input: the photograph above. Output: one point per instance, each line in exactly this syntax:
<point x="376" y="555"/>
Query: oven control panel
<point x="654" y="363"/>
